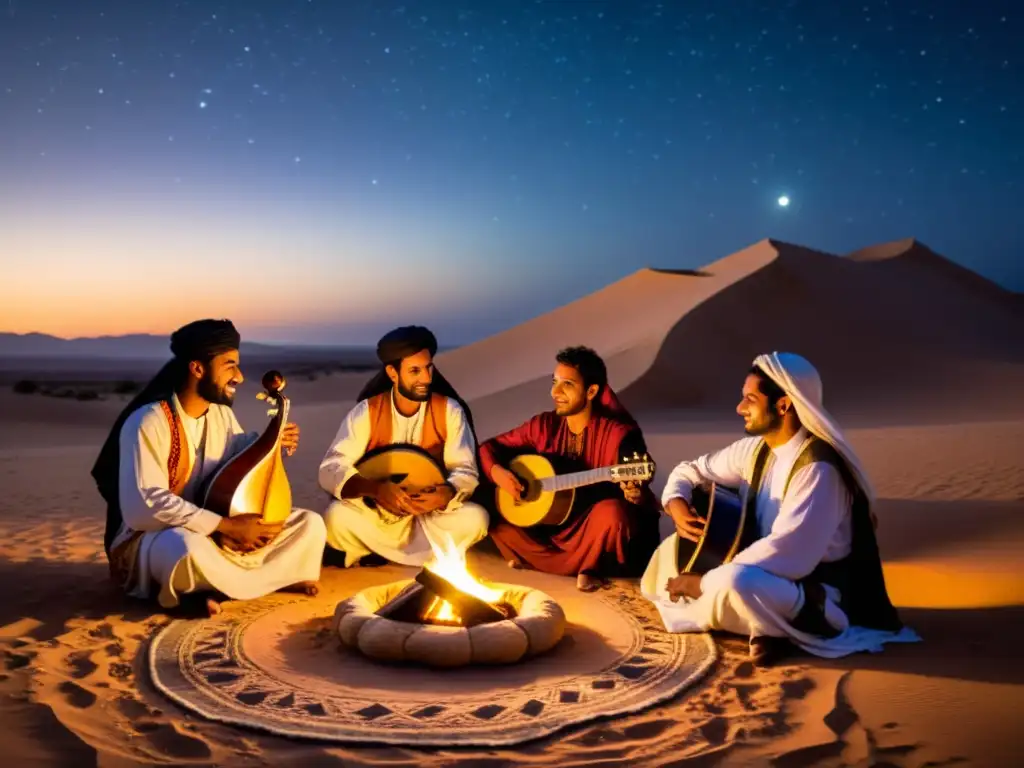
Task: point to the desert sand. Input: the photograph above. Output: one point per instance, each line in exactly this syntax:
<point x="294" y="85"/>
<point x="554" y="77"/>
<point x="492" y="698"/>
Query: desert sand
<point x="923" y="363"/>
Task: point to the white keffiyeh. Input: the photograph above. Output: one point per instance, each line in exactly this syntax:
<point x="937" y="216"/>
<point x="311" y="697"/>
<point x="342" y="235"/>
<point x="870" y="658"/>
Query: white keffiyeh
<point x="801" y="382"/>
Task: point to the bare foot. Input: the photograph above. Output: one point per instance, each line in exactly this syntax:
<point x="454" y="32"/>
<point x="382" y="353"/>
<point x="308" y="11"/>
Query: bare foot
<point x="587" y="583"/>
<point x="309" y="588"/>
<point x="515" y="564"/>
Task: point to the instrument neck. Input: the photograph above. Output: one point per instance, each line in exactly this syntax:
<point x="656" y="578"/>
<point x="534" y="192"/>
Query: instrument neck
<point x="576" y="479"/>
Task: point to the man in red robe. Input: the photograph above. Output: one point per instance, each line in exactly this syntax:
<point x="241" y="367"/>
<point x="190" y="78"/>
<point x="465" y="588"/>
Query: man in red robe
<point x="612" y="530"/>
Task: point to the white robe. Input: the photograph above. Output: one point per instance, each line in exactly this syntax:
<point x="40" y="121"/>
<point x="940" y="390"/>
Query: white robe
<point x="358" y="530"/>
<point x="176" y="553"/>
<point x="756" y="593"/>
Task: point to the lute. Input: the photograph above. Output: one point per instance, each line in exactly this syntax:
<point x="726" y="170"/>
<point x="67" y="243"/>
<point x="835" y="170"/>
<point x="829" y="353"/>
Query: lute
<point x="548" y="497"/>
<point x="254" y="481"/>
<point x="726" y="530"/>
<point x="406" y="465"/>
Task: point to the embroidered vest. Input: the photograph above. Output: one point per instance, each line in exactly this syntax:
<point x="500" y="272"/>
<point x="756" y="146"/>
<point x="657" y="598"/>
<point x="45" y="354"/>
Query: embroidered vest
<point x="858" y="576"/>
<point x="435" y="424"/>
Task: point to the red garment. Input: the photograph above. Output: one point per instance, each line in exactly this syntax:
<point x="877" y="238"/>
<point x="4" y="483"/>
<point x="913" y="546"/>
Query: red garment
<point x="605" y="534"/>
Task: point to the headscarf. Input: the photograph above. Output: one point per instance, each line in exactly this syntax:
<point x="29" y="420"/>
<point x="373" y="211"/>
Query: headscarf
<point x="403" y="342"/>
<point x="608" y="405"/>
<point x="199" y="340"/>
<point x="802" y="383"/>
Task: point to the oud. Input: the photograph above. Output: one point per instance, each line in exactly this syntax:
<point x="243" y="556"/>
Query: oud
<point x="728" y="528"/>
<point x="254" y="481"/>
<point x="406" y="465"/>
<point x="548" y="498"/>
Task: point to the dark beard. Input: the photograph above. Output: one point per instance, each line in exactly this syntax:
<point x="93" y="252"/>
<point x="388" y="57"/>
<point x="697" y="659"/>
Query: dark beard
<point x="765" y="427"/>
<point x="207" y="390"/>
<point x="412" y="395"/>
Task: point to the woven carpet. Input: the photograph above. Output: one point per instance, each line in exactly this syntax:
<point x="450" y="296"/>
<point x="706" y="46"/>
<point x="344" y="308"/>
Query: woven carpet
<point x="274" y="665"/>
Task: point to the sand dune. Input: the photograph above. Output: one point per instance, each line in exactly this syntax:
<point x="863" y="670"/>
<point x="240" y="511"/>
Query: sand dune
<point x="895" y="321"/>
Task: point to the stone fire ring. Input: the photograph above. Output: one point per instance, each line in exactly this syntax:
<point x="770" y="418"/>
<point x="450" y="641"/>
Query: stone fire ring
<point x="537" y="627"/>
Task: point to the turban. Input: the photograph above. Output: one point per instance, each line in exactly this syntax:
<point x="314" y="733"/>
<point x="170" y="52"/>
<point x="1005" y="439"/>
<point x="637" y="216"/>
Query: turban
<point x="405" y="342"/>
<point x="204" y="339"/>
<point x="802" y="383"/>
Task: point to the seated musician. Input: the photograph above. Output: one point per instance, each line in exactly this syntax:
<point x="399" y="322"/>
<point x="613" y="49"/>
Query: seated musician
<point x="171" y="438"/>
<point x="408" y="401"/>
<point x="812" y="576"/>
<point x="612" y="529"/>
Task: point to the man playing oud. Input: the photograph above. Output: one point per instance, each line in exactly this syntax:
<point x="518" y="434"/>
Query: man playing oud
<point x="407" y="402"/>
<point x="813" y="576"/>
<point x="170" y="439"/>
<point x="611" y="530"/>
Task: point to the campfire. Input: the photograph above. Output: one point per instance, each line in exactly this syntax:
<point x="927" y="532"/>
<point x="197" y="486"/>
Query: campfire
<point x="445" y="593"/>
<point x="446" y="617"/>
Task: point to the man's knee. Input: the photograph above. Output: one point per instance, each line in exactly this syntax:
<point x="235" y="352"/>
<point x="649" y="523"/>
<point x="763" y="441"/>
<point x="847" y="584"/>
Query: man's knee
<point x="336" y="515"/>
<point x="179" y="542"/>
<point x="610" y="515"/>
<point x="314" y="525"/>
<point x="475" y="518"/>
<point x="742" y="580"/>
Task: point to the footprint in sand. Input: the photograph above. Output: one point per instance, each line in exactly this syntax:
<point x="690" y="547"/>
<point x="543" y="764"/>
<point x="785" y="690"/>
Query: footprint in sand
<point x="651" y="729"/>
<point x="715" y="730"/>
<point x="80" y="663"/>
<point x="170" y="742"/>
<point x="76" y="695"/>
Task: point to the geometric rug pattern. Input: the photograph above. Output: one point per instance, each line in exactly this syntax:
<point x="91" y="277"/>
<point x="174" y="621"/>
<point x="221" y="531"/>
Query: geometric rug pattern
<point x="208" y="667"/>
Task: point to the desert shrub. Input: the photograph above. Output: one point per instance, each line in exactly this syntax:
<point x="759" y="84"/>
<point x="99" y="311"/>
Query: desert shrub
<point x="126" y="388"/>
<point x="26" y="387"/>
<point x="87" y="394"/>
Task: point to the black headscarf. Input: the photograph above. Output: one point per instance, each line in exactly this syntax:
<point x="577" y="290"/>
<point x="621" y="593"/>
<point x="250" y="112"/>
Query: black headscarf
<point x="200" y="340"/>
<point x="403" y="342"/>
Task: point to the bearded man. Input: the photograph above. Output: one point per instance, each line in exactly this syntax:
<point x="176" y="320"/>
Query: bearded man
<point x="611" y="530"/>
<point x="166" y="444"/>
<point x="813" y="575"/>
<point x="407" y="402"/>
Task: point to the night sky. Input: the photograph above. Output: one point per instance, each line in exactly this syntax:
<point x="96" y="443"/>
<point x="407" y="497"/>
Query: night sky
<point x="321" y="171"/>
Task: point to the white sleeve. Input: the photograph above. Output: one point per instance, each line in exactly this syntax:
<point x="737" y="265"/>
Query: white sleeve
<point x="725" y="467"/>
<point x="238" y="438"/>
<point x="147" y="503"/>
<point x="460" y="451"/>
<point x="338" y="465"/>
<point x="814" y="507"/>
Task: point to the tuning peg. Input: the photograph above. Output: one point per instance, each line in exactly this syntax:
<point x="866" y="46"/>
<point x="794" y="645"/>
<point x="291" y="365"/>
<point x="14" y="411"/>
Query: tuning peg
<point x="261" y="395"/>
<point x="272" y="412"/>
<point x="646" y="457"/>
<point x="636" y="456"/>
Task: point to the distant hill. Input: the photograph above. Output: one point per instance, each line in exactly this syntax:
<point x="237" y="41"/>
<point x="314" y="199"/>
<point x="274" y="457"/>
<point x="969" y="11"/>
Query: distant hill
<point x="143" y="346"/>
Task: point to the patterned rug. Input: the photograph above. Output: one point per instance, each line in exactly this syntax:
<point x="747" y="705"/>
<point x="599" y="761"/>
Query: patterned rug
<point x="274" y="665"/>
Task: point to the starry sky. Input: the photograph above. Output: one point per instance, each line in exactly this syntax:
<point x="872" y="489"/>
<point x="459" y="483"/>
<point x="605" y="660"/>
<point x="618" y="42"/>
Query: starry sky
<point x="321" y="171"/>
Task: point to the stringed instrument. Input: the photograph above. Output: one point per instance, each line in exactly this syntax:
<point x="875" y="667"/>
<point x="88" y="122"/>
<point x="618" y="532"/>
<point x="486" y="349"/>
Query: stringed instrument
<point x="254" y="481"/>
<point x="548" y="497"/>
<point x="726" y="530"/>
<point x="406" y="465"/>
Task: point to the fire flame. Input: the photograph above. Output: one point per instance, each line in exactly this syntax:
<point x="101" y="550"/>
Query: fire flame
<point x="449" y="562"/>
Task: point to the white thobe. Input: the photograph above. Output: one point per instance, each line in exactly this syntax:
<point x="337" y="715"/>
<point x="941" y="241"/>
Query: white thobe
<point x="358" y="530"/>
<point x="176" y="553"/>
<point x="756" y="593"/>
